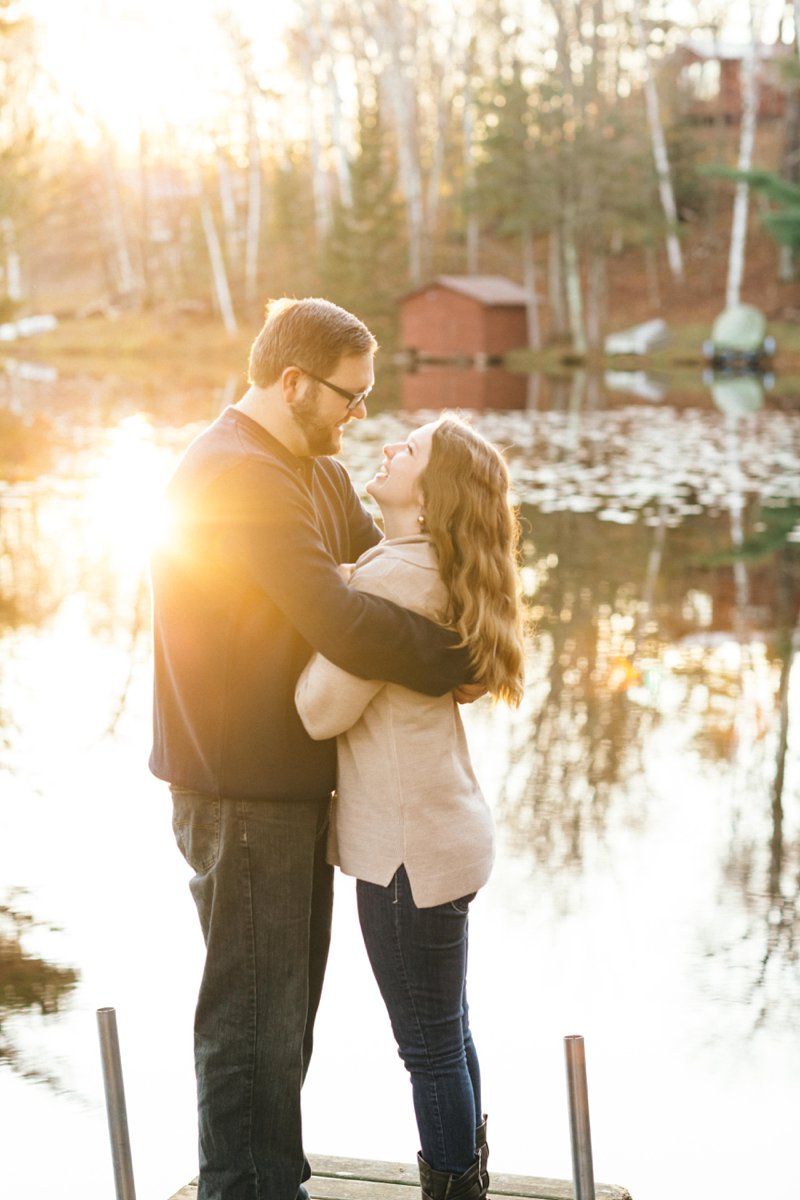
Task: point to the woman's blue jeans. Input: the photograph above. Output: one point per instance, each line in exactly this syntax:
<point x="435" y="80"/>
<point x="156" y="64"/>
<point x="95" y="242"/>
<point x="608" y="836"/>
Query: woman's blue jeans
<point x="263" y="892"/>
<point x="419" y="958"/>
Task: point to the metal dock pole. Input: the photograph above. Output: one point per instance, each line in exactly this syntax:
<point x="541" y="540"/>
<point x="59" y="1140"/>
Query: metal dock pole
<point x="115" y="1104"/>
<point x="580" y="1133"/>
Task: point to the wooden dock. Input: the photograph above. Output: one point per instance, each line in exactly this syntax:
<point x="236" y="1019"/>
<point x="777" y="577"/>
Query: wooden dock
<point x="358" y="1179"/>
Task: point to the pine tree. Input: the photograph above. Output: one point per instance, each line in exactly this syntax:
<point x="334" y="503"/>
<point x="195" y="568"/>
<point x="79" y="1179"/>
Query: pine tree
<point x="364" y="266"/>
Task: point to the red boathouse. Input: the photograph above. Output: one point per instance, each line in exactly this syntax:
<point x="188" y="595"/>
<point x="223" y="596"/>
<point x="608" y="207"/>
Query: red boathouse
<point x="479" y="317"/>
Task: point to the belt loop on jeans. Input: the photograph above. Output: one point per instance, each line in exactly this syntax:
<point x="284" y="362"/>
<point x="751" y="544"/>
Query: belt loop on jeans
<point x="396" y="898"/>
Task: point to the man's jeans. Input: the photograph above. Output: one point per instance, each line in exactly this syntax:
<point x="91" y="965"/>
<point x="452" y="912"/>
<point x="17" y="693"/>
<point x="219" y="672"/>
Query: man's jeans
<point x="264" y="893"/>
<point x="419" y="958"/>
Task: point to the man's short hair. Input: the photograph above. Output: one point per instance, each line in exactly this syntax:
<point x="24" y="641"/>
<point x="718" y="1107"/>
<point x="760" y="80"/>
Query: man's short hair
<point x="312" y="333"/>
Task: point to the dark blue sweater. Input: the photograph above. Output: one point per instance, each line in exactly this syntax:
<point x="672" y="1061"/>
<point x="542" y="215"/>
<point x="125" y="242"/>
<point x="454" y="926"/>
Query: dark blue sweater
<point x="244" y="587"/>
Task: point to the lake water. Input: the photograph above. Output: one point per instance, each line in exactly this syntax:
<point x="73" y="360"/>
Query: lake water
<point x="647" y="795"/>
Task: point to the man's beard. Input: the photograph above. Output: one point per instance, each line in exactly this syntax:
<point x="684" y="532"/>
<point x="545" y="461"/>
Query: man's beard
<point x="321" y="438"/>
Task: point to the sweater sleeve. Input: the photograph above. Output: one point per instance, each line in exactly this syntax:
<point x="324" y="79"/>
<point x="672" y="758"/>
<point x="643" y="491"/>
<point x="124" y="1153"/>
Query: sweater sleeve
<point x="329" y="699"/>
<point x="268" y="533"/>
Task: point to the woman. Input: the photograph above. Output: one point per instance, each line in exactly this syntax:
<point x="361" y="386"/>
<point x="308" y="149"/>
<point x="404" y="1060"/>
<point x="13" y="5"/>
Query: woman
<point x="409" y="821"/>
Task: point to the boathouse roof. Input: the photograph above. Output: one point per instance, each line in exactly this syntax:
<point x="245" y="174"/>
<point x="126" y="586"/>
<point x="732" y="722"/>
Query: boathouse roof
<point x="489" y="290"/>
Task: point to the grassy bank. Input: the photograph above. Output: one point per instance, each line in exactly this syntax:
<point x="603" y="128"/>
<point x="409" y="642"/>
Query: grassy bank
<point x="140" y="345"/>
<point x="198" y="349"/>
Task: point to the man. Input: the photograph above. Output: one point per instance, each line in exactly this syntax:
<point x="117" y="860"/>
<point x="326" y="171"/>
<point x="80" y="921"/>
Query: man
<point x="244" y="589"/>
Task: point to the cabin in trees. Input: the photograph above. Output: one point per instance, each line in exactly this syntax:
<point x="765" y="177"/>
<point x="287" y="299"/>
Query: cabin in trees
<point x="710" y="80"/>
<point x="474" y="317"/>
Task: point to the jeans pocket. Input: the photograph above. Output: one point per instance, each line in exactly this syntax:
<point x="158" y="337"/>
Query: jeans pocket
<point x="196" y="823"/>
<point x="462" y="905"/>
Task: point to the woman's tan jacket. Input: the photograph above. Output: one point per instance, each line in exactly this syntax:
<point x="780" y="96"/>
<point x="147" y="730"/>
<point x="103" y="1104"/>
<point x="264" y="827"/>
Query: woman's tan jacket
<point x="406" y="792"/>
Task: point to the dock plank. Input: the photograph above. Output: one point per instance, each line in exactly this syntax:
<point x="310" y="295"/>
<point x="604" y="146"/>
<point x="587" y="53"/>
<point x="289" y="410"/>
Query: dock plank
<point x="360" y="1179"/>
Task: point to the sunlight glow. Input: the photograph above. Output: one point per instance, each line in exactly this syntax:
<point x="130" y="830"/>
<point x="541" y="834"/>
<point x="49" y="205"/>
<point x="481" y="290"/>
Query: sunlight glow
<point x="122" y="68"/>
<point x="119" y="68"/>
<point x="127" y="514"/>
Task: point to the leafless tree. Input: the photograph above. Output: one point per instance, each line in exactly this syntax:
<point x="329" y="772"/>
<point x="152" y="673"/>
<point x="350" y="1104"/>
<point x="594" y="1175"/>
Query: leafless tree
<point x="659" y="147"/>
<point x="747" y="137"/>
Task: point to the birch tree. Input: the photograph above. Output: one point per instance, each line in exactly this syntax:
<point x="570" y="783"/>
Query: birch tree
<point x="126" y="278"/>
<point x="569" y="37"/>
<point x="252" y="242"/>
<point x="231" y="234"/>
<point x="790" y="151"/>
<point x="556" y="294"/>
<point x="747" y="136"/>
<point x="442" y="98"/>
<point x="468" y="136"/>
<point x="659" y="147"/>
<point x="243" y="58"/>
<point x="302" y="53"/>
<point x="321" y="38"/>
<point x="10" y="271"/>
<point x="216" y="259"/>
<point x="389" y="25"/>
<point x="16" y="142"/>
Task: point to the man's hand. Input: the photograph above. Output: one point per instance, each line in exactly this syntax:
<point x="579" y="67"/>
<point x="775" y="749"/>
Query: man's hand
<point x="467" y="693"/>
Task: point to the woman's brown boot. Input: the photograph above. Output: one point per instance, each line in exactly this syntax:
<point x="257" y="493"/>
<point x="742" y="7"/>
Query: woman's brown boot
<point x="482" y="1150"/>
<point x="440" y="1185"/>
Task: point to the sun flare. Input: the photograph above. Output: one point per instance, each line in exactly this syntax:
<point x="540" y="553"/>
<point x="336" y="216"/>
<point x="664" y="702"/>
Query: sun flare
<point x="119" y="69"/>
<point x="127" y="514"/>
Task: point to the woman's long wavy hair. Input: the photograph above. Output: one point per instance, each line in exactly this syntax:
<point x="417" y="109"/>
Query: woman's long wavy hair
<point x="475" y="531"/>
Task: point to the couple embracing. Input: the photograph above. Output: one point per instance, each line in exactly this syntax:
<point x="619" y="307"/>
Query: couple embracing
<point x="307" y="671"/>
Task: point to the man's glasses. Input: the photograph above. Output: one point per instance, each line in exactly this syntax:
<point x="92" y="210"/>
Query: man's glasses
<point x="353" y="398"/>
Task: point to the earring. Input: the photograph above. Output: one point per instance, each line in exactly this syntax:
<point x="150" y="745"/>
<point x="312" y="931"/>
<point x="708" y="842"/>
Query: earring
<point x="421" y="521"/>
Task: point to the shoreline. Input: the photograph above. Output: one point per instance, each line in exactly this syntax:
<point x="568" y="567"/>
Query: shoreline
<point x="133" y="346"/>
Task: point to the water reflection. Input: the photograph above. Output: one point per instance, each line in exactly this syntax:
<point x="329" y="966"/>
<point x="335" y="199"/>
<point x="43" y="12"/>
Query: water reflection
<point x="631" y="634"/>
<point x="29" y="985"/>
<point x="642" y="384"/>
<point x="737" y="395"/>
<point x="661" y="565"/>
<point x="577" y="748"/>
<point x="446" y="385"/>
<point x="761" y="863"/>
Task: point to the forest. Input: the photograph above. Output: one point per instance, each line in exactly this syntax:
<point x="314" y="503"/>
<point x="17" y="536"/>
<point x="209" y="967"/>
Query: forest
<point x="618" y="158"/>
